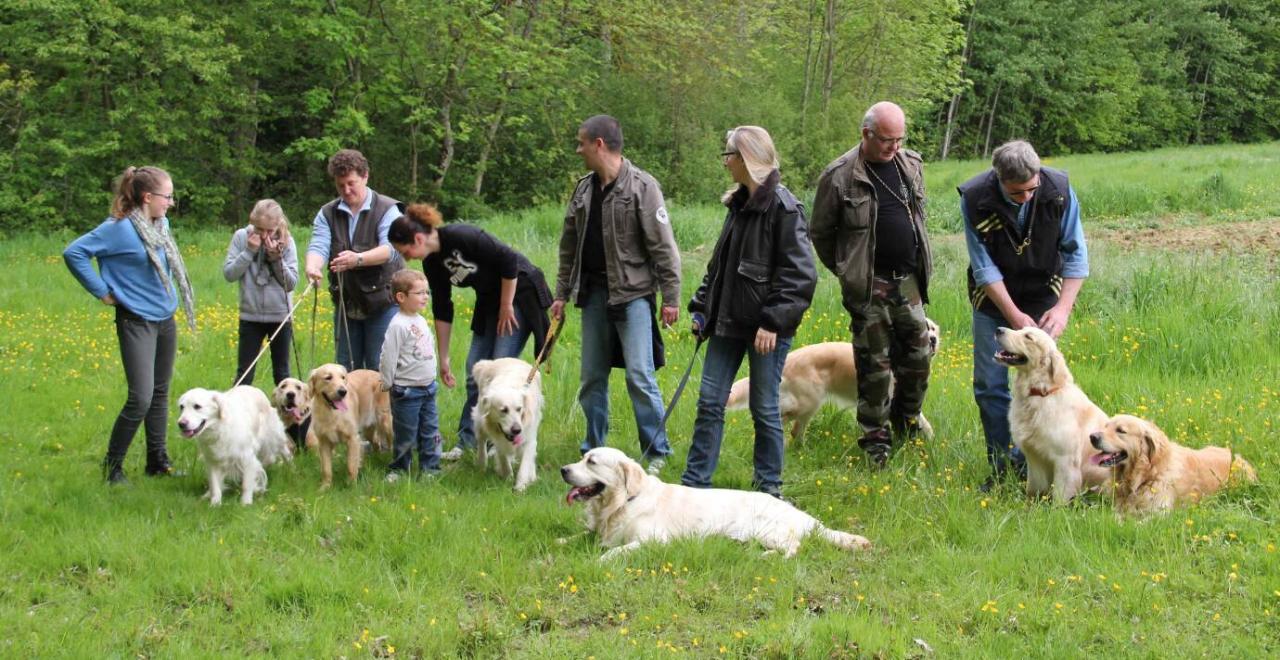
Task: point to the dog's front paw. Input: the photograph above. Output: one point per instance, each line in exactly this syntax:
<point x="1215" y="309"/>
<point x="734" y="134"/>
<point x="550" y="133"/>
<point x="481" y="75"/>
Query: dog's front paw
<point x="215" y="501"/>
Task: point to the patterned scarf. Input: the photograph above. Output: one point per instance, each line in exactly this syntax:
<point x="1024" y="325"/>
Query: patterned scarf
<point x="155" y="236"/>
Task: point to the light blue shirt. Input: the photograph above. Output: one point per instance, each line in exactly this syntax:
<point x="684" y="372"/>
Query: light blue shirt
<point x="124" y="270"/>
<point x="1075" y="255"/>
<point x="322" y="237"/>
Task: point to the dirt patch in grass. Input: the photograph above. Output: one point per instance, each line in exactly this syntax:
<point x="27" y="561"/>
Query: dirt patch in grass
<point x="1256" y="236"/>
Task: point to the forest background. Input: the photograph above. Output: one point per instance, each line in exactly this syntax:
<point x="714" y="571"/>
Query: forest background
<point x="474" y="105"/>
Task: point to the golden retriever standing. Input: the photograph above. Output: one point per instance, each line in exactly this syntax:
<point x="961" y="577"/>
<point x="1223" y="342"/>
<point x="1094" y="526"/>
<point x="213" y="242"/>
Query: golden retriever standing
<point x="237" y="433"/>
<point x="627" y="507"/>
<point x="1153" y="473"/>
<point x="1050" y="418"/>
<point x="814" y="375"/>
<point x="507" y="415"/>
<point x="344" y="408"/>
<point x="292" y="401"/>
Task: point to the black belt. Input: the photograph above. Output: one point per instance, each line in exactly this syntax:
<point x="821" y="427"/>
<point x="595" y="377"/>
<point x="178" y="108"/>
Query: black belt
<point x="893" y="274"/>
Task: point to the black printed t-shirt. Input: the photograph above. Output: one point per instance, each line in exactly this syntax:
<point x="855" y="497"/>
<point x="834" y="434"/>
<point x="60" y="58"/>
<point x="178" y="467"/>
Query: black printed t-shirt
<point x="471" y="257"/>
<point x="895" y="237"/>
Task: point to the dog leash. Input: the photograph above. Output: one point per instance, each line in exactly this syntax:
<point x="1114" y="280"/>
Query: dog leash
<point x="684" y="380"/>
<point x="557" y="324"/>
<point x="272" y="338"/>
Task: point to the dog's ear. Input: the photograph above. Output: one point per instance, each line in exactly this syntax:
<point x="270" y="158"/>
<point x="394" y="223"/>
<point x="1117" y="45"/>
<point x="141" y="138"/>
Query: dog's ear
<point x="315" y="374"/>
<point x="215" y="400"/>
<point x="482" y="372"/>
<point x="632" y="477"/>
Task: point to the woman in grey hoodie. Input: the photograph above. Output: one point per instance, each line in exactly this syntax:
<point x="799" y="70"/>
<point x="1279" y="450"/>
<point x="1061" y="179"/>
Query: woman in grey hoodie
<point x="264" y="259"/>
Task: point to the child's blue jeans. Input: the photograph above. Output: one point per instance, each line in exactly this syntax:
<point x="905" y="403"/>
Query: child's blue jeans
<point x="414" y="418"/>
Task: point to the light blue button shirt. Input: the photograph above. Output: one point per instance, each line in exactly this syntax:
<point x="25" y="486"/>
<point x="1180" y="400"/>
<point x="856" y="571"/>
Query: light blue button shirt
<point x="322" y="237"/>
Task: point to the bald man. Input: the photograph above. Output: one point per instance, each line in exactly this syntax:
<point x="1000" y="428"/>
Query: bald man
<point x="868" y="228"/>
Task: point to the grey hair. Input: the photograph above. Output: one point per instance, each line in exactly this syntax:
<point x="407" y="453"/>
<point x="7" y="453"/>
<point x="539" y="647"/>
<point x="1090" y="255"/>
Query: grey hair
<point x="1015" y="161"/>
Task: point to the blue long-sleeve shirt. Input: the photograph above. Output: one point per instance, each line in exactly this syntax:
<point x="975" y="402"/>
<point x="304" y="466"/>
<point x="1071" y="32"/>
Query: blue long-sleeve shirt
<point x="124" y="270"/>
<point x="1075" y="255"/>
<point x="322" y="237"/>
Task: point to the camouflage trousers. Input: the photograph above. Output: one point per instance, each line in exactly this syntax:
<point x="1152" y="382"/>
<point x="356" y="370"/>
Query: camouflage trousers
<point x="892" y="353"/>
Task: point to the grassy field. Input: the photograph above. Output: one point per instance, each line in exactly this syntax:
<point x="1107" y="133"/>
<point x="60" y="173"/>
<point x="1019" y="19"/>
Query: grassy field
<point x="462" y="567"/>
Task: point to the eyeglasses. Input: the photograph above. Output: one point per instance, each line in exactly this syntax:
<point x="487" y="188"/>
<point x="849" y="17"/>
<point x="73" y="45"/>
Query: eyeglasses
<point x="168" y="196"/>
<point x="726" y="154"/>
<point x="887" y="140"/>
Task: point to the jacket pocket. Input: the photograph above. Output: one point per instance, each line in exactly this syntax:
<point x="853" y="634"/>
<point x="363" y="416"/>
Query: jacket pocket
<point x="749" y="297"/>
<point x="856" y="212"/>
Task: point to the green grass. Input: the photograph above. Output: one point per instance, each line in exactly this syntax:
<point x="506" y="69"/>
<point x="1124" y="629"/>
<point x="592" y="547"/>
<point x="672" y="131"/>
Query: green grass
<point x="462" y="567"/>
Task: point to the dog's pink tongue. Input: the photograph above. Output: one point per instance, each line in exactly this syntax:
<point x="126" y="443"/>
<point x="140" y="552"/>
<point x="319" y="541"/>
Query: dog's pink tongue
<point x="340" y="404"/>
<point x="1097" y="459"/>
<point x="517" y="439"/>
<point x="573" y="492"/>
<point x="296" y="414"/>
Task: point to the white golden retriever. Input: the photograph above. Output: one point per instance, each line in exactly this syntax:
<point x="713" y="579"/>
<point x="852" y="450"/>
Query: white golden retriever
<point x="1050" y="417"/>
<point x="238" y="433"/>
<point x="627" y="507"/>
<point x="507" y="414"/>
<point x="818" y="374"/>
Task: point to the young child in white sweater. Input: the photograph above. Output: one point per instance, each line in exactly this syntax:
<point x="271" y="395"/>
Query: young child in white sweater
<point x="408" y="368"/>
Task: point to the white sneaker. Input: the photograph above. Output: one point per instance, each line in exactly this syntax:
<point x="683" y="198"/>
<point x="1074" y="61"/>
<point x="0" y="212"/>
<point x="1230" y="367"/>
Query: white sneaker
<point x="656" y="465"/>
<point x="452" y="455"/>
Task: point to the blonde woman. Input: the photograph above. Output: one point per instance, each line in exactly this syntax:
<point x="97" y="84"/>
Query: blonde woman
<point x="137" y="263"/>
<point x="759" y="282"/>
<point x="264" y="260"/>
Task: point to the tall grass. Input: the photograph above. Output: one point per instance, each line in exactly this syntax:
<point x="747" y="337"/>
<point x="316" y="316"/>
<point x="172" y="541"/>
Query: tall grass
<point x="460" y="566"/>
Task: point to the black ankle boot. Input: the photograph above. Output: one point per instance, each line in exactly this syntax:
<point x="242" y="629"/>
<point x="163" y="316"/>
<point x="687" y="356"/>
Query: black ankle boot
<point x="113" y="472"/>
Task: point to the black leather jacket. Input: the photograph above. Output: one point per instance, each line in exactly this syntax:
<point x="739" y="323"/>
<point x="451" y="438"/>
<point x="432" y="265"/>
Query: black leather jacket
<point x="762" y="273"/>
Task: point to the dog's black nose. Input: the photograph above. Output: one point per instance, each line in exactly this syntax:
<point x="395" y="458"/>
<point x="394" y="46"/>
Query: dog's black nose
<point x="564" y="471"/>
<point x="1001" y="331"/>
<point x="342" y="391"/>
<point x="1095" y="439"/>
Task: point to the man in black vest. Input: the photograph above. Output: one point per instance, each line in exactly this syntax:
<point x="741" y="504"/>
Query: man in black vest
<point x="1027" y="261"/>
<point x="350" y="234"/>
<point x="868" y="228"/>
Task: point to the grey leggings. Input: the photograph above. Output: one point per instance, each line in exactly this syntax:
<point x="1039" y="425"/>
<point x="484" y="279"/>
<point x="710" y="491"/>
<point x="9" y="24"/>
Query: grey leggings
<point x="147" y="349"/>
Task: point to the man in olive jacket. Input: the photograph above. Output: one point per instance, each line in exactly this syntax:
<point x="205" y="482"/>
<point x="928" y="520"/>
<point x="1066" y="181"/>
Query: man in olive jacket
<point x="868" y="228"/>
<point x="616" y="251"/>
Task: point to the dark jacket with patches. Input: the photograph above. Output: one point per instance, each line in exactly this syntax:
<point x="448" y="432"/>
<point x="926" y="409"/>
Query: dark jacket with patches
<point x="762" y="273"/>
<point x="844" y="223"/>
<point x="1030" y="260"/>
<point x="365" y="290"/>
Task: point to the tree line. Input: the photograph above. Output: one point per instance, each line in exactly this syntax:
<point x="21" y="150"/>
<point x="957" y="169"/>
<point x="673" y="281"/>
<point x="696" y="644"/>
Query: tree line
<point x="474" y="104"/>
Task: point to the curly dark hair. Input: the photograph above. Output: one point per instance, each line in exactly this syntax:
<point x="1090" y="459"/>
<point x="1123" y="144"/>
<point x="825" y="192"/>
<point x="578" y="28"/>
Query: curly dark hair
<point x="347" y="161"/>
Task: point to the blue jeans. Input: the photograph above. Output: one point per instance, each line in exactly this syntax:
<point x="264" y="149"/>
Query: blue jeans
<point x="635" y="333"/>
<point x="413" y="416"/>
<point x="364" y="349"/>
<point x="724" y="355"/>
<point x="991" y="391"/>
<point x="488" y="346"/>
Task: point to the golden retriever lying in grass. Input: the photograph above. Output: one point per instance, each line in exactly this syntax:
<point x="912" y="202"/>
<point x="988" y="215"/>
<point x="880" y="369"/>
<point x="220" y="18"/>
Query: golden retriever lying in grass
<point x="818" y="374"/>
<point x="1154" y="473"/>
<point x="627" y="507"/>
<point x="344" y="408"/>
<point x="1050" y="418"/>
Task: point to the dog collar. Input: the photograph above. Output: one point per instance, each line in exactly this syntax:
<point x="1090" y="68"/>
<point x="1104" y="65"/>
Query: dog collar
<point x="1035" y="391"/>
